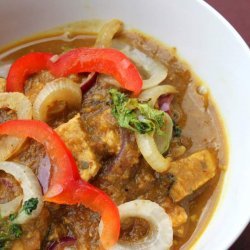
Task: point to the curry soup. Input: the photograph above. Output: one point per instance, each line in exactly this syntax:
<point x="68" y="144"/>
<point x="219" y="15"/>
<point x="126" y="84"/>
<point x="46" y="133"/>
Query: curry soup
<point x="104" y="129"/>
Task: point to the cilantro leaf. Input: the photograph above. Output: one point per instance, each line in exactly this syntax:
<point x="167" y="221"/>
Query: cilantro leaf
<point x="30" y="205"/>
<point x="137" y="116"/>
<point x="177" y="130"/>
<point x="8" y="232"/>
<point x="15" y="231"/>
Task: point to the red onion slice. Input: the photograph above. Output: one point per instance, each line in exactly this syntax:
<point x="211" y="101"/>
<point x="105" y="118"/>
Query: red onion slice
<point x="44" y="173"/>
<point x="164" y="102"/>
<point x="62" y="243"/>
<point x="88" y="82"/>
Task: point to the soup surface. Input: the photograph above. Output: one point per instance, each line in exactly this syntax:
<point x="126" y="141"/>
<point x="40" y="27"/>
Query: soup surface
<point x="107" y="152"/>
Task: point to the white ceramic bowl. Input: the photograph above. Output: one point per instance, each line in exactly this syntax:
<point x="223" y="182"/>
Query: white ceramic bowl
<point x="207" y="41"/>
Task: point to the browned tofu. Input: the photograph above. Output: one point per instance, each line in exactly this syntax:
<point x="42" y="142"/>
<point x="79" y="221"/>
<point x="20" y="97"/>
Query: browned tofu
<point x="104" y="132"/>
<point x="76" y="140"/>
<point x="191" y="173"/>
<point x="178" y="216"/>
<point x="2" y="85"/>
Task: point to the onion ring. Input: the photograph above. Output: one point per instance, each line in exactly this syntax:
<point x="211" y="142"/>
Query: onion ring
<point x="155" y="70"/>
<point x="61" y="89"/>
<point x="22" y="106"/>
<point x="161" y="235"/>
<point x="31" y="189"/>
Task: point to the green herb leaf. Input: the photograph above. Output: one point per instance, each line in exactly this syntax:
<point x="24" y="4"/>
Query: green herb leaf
<point x="15" y="231"/>
<point x="177" y="130"/>
<point x="135" y="115"/>
<point x="8" y="232"/>
<point x="12" y="217"/>
<point x="30" y="205"/>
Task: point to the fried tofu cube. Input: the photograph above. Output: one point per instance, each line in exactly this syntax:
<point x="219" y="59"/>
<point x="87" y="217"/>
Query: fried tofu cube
<point x="76" y="140"/>
<point x="178" y="216"/>
<point x="105" y="132"/>
<point x="191" y="173"/>
<point x="2" y="85"/>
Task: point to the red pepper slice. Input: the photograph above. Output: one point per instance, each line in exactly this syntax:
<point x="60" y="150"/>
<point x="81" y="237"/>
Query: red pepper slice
<point x="66" y="186"/>
<point x="80" y="193"/>
<point x="101" y="60"/>
<point x="24" y="67"/>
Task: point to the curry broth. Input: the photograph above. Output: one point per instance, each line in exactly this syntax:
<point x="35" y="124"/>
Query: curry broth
<point x="192" y="111"/>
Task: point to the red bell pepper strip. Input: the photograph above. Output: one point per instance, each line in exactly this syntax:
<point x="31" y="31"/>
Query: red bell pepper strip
<point x="24" y="67"/>
<point x="66" y="186"/>
<point x="80" y="193"/>
<point x="101" y="60"/>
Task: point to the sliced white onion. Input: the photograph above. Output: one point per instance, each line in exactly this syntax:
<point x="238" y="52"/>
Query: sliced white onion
<point x="4" y="70"/>
<point x="23" y="108"/>
<point x="147" y="146"/>
<point x="153" y="94"/>
<point x="155" y="70"/>
<point x="30" y="185"/>
<point x="161" y="231"/>
<point x="107" y="32"/>
<point x="10" y="207"/>
<point x="61" y="89"/>
<point x="163" y="141"/>
<point x="109" y="80"/>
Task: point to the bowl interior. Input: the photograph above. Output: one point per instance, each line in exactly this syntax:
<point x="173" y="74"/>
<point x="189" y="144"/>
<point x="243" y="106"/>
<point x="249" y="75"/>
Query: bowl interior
<point x="210" y="45"/>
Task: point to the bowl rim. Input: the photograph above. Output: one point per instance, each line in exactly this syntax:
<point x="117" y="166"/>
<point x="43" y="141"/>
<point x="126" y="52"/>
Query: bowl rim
<point x="228" y="241"/>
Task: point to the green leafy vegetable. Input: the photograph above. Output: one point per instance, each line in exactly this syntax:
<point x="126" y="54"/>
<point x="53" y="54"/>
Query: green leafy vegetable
<point x="177" y="130"/>
<point x="30" y="205"/>
<point x="8" y="232"/>
<point x="15" y="231"/>
<point x="12" y="217"/>
<point x="135" y="115"/>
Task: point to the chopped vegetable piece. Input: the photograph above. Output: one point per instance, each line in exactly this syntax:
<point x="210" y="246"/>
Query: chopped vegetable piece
<point x="22" y="108"/>
<point x="152" y="94"/>
<point x="61" y="89"/>
<point x="136" y="116"/>
<point x="15" y="230"/>
<point x="64" y="167"/>
<point x="66" y="243"/>
<point x="163" y="141"/>
<point x="31" y="188"/>
<point x="8" y="232"/>
<point x="66" y="187"/>
<point x="107" y="32"/>
<point x="30" y="205"/>
<point x="81" y="192"/>
<point x="25" y="66"/>
<point x="12" y="217"/>
<point x="161" y="235"/>
<point x="151" y="154"/>
<point x="10" y="207"/>
<point x="156" y="72"/>
<point x="101" y="60"/>
<point x="177" y="130"/>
